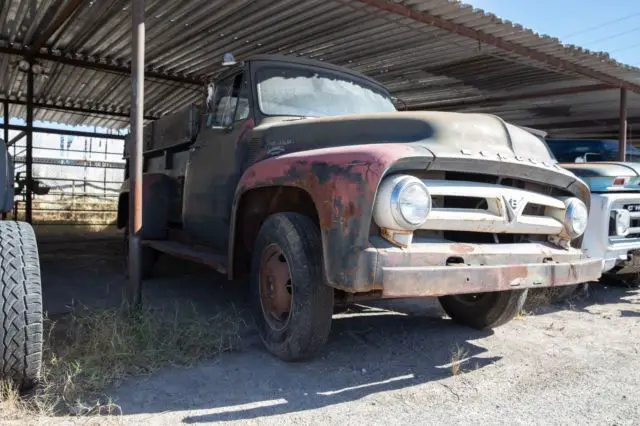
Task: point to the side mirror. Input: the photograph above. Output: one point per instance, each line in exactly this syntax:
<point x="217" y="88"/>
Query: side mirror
<point x="580" y="159"/>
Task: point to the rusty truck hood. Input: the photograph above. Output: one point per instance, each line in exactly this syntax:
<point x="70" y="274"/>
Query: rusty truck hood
<point x="479" y="143"/>
<point x="443" y="134"/>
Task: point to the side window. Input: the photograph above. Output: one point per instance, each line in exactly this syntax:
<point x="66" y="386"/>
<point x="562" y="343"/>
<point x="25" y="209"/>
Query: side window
<point x="242" y="112"/>
<point x="230" y="101"/>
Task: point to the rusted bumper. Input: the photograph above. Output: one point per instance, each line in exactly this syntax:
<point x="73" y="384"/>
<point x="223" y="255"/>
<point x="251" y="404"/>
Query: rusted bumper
<point x="442" y="268"/>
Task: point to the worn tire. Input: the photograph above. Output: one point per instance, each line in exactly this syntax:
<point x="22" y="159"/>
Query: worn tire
<point x="149" y="258"/>
<point x="553" y="295"/>
<point x="491" y="310"/>
<point x="633" y="280"/>
<point x="626" y="280"/>
<point x="21" y="314"/>
<point x="309" y="322"/>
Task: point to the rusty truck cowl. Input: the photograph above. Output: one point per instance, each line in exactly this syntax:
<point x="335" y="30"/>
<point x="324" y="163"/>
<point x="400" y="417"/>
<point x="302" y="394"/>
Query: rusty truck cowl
<point x="342" y="175"/>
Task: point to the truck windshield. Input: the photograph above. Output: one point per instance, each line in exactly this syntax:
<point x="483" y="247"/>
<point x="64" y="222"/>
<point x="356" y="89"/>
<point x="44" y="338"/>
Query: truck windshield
<point x="568" y="150"/>
<point x="310" y="93"/>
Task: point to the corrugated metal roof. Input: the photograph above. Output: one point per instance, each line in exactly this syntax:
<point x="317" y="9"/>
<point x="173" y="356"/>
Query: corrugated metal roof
<point x="426" y="65"/>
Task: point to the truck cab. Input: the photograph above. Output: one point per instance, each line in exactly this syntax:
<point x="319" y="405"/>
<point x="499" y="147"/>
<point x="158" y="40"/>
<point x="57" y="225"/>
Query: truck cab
<point x="303" y="176"/>
<point x="613" y="233"/>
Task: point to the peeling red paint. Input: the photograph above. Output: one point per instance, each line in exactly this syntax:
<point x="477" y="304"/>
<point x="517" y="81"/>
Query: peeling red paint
<point x="342" y="182"/>
<point x="462" y="248"/>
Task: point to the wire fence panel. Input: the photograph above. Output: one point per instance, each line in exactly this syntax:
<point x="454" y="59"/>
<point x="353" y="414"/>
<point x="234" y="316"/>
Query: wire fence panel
<point x="83" y="178"/>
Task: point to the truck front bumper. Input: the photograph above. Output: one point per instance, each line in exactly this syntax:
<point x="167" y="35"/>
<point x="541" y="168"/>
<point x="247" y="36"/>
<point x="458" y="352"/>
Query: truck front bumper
<point x="445" y="268"/>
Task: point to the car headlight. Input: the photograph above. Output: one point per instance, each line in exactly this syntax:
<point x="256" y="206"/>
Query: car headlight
<point x="621" y="222"/>
<point x="576" y="217"/>
<point x="402" y="202"/>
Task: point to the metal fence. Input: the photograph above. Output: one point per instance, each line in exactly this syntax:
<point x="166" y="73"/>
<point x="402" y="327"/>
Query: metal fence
<point x="81" y="178"/>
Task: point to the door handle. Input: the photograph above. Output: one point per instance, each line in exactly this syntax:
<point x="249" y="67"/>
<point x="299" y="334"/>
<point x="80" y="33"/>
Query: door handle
<point x="194" y="148"/>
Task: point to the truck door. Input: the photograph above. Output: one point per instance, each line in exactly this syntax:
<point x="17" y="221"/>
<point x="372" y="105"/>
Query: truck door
<point x="212" y="170"/>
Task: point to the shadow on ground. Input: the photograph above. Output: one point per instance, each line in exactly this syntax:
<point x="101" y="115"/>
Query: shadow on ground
<point x="374" y="349"/>
<point x="394" y="345"/>
<point x="368" y="353"/>
<point x="586" y="300"/>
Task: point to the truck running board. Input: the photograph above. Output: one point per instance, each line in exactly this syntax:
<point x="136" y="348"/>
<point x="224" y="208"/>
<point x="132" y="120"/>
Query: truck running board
<point x="194" y="253"/>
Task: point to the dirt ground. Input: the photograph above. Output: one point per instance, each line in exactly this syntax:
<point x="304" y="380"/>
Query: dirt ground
<point x="389" y="364"/>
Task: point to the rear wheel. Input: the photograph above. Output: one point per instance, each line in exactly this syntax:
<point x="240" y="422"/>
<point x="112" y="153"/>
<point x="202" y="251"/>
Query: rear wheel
<point x="484" y="311"/>
<point x="21" y="305"/>
<point x="292" y="304"/>
<point x="148" y="257"/>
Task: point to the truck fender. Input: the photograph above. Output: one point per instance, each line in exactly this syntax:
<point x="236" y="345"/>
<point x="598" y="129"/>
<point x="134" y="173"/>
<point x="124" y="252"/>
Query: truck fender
<point x="157" y="192"/>
<point x="342" y="182"/>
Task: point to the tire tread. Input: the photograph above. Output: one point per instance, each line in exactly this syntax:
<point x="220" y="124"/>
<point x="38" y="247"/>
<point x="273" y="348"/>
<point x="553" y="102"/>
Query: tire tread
<point x="21" y="304"/>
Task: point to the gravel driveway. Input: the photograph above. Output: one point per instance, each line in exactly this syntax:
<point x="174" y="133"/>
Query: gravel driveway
<point x="391" y="364"/>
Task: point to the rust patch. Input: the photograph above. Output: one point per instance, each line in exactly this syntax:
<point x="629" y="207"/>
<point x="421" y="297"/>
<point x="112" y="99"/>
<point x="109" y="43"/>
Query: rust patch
<point x="391" y="235"/>
<point x="513" y="276"/>
<point x="342" y="182"/>
<point x="462" y="248"/>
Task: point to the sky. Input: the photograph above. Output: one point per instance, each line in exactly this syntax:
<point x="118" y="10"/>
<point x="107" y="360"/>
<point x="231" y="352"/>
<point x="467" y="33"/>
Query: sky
<point x="611" y="26"/>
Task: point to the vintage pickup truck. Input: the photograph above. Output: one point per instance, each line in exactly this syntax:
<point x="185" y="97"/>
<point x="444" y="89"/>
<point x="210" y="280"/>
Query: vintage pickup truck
<point x="303" y="176"/>
<point x="613" y="233"/>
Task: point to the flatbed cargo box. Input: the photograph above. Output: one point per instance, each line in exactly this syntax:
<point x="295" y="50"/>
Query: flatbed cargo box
<point x="170" y="131"/>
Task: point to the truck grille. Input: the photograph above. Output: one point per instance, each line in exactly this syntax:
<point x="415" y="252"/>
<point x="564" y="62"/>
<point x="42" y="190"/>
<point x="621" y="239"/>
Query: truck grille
<point x="468" y="206"/>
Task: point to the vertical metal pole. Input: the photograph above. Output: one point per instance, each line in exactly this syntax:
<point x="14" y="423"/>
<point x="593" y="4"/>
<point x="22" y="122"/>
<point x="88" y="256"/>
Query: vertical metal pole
<point x="5" y="114"/>
<point x="623" y="125"/>
<point x="134" y="295"/>
<point x="28" y="212"/>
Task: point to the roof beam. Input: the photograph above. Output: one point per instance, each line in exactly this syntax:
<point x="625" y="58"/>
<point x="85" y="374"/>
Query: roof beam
<point x="67" y="132"/>
<point x="80" y="110"/>
<point x="70" y="7"/>
<point x="481" y="36"/>
<point x="83" y="62"/>
<point x="592" y="123"/>
<point x="492" y="100"/>
<point x="16" y="138"/>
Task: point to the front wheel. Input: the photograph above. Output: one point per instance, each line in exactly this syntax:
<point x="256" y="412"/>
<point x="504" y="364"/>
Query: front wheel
<point x="292" y="304"/>
<point x="484" y="311"/>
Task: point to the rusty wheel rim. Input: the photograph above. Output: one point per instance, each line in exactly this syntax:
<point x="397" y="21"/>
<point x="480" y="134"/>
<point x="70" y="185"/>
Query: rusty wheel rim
<point x="276" y="290"/>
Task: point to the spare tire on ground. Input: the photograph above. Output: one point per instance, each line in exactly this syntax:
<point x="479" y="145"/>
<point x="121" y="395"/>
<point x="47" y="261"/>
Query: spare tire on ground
<point x="21" y="333"/>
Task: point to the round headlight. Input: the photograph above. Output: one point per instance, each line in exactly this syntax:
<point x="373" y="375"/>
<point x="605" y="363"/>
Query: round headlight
<point x="622" y="222"/>
<point x="410" y="202"/>
<point x="576" y="217"/>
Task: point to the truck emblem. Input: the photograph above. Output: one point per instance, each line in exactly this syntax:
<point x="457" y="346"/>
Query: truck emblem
<point x="513" y="207"/>
<point x="514" y="202"/>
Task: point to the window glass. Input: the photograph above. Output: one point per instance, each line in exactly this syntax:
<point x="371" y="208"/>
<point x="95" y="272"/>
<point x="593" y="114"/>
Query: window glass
<point x="242" y="112"/>
<point x="223" y="110"/>
<point x="567" y="150"/>
<point x="312" y="93"/>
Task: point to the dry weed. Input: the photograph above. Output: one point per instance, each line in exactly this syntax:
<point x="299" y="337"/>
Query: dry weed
<point x="88" y="352"/>
<point x="458" y="355"/>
